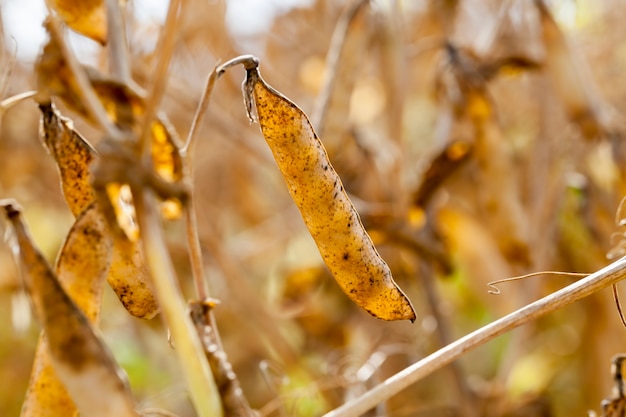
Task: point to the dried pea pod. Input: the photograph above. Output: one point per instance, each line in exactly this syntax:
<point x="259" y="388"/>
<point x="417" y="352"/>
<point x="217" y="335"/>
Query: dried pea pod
<point x="328" y="213"/>
<point x="128" y="276"/>
<point x="76" y="350"/>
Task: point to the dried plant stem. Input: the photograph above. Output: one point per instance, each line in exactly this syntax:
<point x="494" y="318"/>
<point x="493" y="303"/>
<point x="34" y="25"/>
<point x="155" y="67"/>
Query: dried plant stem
<point x="88" y="95"/>
<point x="165" y="48"/>
<point x="118" y="51"/>
<point x="333" y="60"/>
<point x="218" y="71"/>
<point x="201" y="111"/>
<point x="574" y="292"/>
<point x="193" y="239"/>
<point x="157" y="412"/>
<point x="7" y="103"/>
<point x="195" y="251"/>
<point x="200" y="382"/>
<point x="234" y="402"/>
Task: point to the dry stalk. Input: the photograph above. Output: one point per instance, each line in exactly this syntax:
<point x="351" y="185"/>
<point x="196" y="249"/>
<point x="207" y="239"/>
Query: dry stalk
<point x="200" y="381"/>
<point x="233" y="400"/>
<point x="333" y="60"/>
<point x="603" y="278"/>
<point x="165" y="47"/>
<point x="193" y="239"/>
<point x="7" y="103"/>
<point x="118" y="50"/>
<point x="201" y="111"/>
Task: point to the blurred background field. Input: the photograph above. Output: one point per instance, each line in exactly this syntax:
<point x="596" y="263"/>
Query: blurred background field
<point x="475" y="144"/>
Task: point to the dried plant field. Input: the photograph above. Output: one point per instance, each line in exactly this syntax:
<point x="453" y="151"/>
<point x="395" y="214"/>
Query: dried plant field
<point x="164" y="222"/>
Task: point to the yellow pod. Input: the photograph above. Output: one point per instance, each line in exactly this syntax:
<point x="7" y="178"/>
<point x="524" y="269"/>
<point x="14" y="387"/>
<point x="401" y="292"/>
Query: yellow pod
<point x="328" y="213"/>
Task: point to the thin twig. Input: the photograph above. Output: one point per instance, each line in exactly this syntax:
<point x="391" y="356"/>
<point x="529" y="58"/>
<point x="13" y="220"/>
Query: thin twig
<point x="559" y="299"/>
<point x="7" y="103"/>
<point x="157" y="412"/>
<point x="86" y="92"/>
<point x="618" y="304"/>
<point x="333" y="59"/>
<point x="165" y="48"/>
<point x="195" y="251"/>
<point x="247" y="61"/>
<point x="496" y="291"/>
<point x="233" y="400"/>
<point x="201" y="111"/>
<point x="118" y="49"/>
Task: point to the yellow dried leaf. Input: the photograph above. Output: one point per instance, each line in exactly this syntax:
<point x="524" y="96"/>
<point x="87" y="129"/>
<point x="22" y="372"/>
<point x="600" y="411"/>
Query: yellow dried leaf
<point x="73" y="155"/>
<point x="80" y="358"/>
<point x="87" y="17"/>
<point x="442" y="165"/>
<point x="327" y="211"/>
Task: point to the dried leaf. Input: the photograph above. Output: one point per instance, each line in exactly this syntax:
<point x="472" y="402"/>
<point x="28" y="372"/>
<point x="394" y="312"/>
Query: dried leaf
<point x="73" y="155"/>
<point x="327" y="211"/>
<point x="79" y="356"/>
<point x="87" y="17"/>
<point x="443" y="164"/>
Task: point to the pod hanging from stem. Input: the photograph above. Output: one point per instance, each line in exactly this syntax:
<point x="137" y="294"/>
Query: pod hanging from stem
<point x="315" y="187"/>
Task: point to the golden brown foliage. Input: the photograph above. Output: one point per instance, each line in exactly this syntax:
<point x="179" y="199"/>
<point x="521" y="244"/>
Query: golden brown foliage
<point x="476" y="139"/>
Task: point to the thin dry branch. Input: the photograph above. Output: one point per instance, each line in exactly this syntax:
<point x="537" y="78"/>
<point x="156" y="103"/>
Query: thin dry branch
<point x="118" y="50"/>
<point x="559" y="299"/>
<point x="201" y="111"/>
<point x="333" y="60"/>
<point x="165" y="47"/>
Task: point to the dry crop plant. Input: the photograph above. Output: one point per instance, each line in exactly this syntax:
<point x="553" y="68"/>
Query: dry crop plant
<point x="469" y="135"/>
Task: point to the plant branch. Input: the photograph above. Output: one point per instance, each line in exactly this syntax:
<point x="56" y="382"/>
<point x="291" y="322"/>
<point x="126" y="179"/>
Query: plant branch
<point x="333" y="60"/>
<point x="7" y="103"/>
<point x="201" y="111"/>
<point x="118" y="50"/>
<point x="574" y="292"/>
<point x="165" y="47"/>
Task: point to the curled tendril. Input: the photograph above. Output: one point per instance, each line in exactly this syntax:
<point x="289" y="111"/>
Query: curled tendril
<point x="493" y="289"/>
